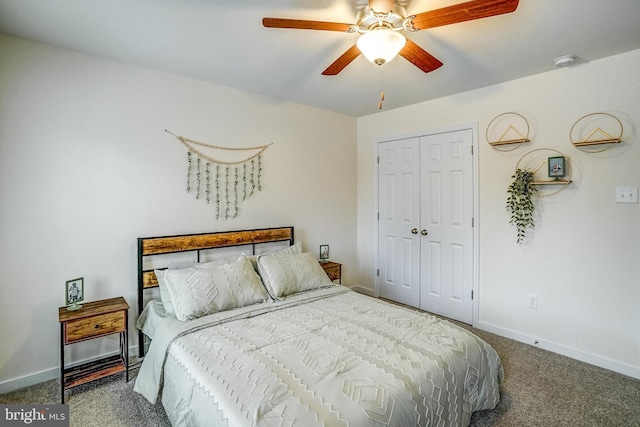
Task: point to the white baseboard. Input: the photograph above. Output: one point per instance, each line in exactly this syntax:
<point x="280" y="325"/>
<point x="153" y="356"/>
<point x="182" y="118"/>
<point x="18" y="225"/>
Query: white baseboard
<point x="29" y="380"/>
<point x="46" y="375"/>
<point x="362" y="290"/>
<point x="593" y="359"/>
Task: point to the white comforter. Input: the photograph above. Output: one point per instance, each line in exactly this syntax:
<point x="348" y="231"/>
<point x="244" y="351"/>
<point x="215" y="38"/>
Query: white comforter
<point x="329" y="357"/>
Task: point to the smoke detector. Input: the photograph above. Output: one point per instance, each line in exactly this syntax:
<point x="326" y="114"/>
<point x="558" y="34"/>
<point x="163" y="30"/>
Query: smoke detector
<point x="564" y="61"/>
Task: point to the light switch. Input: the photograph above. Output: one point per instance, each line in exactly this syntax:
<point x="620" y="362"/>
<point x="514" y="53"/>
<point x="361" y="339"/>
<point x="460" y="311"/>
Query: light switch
<point x="627" y="195"/>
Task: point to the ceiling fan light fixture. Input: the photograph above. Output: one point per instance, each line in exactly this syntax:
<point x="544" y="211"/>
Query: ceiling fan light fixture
<point x="381" y="45"/>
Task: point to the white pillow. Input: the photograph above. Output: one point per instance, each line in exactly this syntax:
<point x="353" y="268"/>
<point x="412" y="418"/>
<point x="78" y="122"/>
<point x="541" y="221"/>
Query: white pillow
<point x="165" y="296"/>
<point x="212" y="287"/>
<point x="286" y="274"/>
<point x="296" y="248"/>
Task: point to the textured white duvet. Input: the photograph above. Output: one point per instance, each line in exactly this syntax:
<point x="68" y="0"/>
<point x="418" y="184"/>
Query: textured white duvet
<point x="329" y="357"/>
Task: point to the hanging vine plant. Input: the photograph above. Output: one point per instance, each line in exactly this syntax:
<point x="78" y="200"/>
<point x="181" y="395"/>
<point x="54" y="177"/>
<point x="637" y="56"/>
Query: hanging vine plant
<point x="520" y="202"/>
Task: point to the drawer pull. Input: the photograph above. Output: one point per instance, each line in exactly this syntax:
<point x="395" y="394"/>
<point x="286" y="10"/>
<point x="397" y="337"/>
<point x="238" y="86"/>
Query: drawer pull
<point x="97" y="327"/>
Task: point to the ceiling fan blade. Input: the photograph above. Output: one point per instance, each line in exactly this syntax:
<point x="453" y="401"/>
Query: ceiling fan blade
<point x="300" y="24"/>
<point x="419" y="57"/>
<point x="344" y="60"/>
<point x="462" y="12"/>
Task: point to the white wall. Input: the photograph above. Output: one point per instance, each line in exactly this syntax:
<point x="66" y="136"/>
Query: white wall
<point x="86" y="168"/>
<point x="583" y="258"/>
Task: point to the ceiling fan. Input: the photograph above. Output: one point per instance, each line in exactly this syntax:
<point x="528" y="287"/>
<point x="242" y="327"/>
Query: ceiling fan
<point x="382" y="22"/>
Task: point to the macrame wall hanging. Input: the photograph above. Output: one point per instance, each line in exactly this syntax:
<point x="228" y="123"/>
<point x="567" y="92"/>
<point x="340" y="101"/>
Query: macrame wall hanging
<point x="224" y="182"/>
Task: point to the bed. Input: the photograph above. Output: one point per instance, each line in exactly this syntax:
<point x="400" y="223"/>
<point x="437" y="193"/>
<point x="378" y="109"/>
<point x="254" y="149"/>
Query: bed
<point x="262" y="337"/>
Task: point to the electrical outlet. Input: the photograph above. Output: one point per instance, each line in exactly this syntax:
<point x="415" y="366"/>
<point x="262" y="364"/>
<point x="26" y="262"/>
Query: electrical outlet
<point x="533" y="301"/>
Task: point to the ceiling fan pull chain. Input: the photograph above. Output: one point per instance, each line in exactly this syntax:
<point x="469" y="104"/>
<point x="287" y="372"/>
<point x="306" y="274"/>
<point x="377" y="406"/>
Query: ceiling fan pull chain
<point x="381" y="90"/>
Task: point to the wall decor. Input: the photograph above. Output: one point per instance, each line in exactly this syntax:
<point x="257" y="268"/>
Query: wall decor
<point x="557" y="167"/>
<point x="520" y="202"/>
<point x="588" y="132"/>
<point x="512" y="128"/>
<point x="225" y="181"/>
<point x="74" y="293"/>
<point x="527" y="184"/>
<point x="554" y="182"/>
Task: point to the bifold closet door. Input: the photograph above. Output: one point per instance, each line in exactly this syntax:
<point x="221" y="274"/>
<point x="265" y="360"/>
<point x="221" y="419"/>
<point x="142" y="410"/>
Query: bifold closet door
<point x="398" y="221"/>
<point x="425" y="223"/>
<point x="446" y="218"/>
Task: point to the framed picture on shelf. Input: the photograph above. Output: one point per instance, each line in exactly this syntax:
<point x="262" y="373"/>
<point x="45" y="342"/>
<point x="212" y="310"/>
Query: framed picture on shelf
<point x="324" y="253"/>
<point x="74" y="293"/>
<point x="556" y="167"/>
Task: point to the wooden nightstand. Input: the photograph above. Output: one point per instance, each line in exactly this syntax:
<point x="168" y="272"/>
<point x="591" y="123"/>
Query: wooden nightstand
<point x="94" y="320"/>
<point x="333" y="270"/>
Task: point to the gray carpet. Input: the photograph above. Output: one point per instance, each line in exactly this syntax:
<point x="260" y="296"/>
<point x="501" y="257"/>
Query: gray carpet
<point x="540" y="389"/>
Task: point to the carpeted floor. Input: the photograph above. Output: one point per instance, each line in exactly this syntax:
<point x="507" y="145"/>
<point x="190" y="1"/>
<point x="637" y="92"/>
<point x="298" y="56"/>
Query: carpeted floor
<point x="540" y="389"/>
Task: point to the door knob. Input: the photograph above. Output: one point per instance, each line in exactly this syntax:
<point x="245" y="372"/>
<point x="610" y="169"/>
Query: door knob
<point x="414" y="231"/>
<point x="424" y="232"/>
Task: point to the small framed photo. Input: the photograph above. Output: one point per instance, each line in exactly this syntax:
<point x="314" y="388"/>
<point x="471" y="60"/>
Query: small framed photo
<point x="324" y="253"/>
<point x="556" y="167"/>
<point x="74" y="293"/>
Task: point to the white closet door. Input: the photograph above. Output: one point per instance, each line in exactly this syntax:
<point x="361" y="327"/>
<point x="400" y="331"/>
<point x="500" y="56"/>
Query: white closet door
<point x="446" y="195"/>
<point x="399" y="214"/>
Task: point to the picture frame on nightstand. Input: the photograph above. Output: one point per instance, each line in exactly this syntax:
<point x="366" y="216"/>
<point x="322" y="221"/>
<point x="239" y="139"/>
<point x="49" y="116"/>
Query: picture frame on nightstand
<point x="74" y="293"/>
<point x="324" y="253"/>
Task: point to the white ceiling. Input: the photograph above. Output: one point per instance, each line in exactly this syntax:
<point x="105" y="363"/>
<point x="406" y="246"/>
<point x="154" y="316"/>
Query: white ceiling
<point x="224" y="42"/>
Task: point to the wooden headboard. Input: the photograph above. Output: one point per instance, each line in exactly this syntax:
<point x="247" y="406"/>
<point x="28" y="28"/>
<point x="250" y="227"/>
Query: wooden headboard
<point x="197" y="243"/>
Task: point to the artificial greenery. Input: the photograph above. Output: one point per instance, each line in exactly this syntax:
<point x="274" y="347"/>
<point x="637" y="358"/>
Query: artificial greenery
<point x="520" y="202"/>
<point x="228" y="193"/>
<point x="234" y="189"/>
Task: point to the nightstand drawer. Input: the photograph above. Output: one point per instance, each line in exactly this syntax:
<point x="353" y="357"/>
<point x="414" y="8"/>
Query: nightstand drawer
<point x="93" y="326"/>
<point x="333" y="272"/>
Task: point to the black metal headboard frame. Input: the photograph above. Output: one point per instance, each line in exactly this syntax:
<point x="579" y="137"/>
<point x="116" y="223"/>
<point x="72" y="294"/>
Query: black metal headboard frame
<point x="164" y="245"/>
